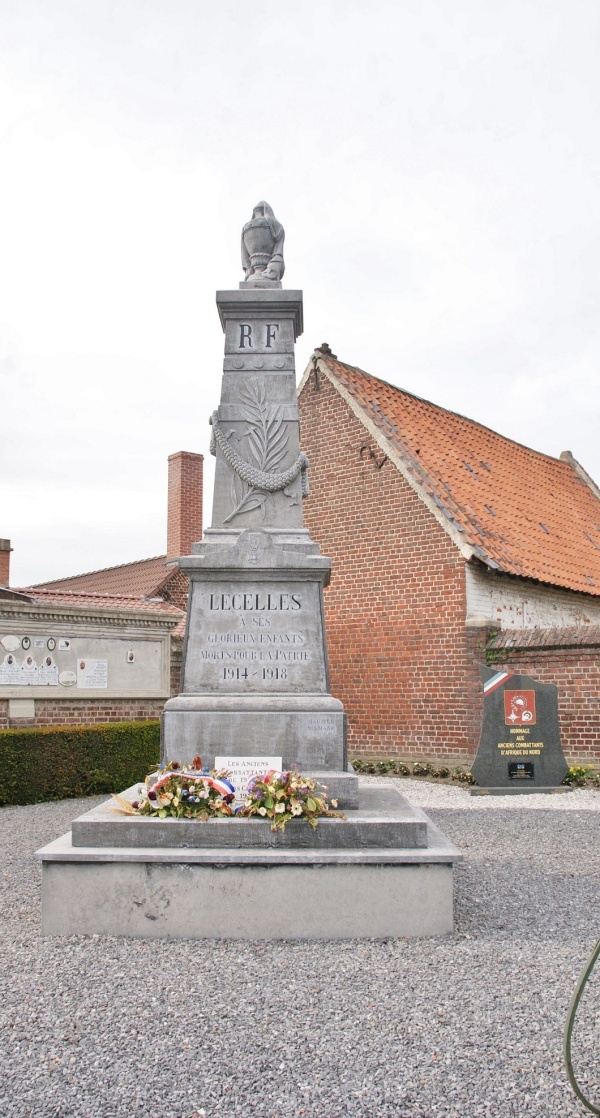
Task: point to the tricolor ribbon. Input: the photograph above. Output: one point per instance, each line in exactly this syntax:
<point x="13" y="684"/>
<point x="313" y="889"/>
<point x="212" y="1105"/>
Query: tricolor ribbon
<point x="495" y="681"/>
<point x="222" y="786"/>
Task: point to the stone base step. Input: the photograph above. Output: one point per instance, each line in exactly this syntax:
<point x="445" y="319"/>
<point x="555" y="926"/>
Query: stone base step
<point x="521" y="790"/>
<point x="250" y="893"/>
<point x="384" y="820"/>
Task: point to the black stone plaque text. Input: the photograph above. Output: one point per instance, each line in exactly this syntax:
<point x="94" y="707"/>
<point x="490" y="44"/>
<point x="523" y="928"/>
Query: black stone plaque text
<point x="520" y="738"/>
<point x="521" y="770"/>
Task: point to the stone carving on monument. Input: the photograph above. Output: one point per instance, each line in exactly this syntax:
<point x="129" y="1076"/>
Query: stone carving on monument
<point x="266" y="441"/>
<point x="262" y="248"/>
<point x="255" y="681"/>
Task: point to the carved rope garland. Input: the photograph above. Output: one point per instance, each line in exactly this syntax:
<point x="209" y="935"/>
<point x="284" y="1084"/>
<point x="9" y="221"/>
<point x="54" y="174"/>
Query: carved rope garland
<point x="258" y="479"/>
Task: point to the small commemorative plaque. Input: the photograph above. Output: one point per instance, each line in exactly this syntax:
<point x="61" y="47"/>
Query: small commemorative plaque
<point x="521" y="770"/>
<point x="519" y="749"/>
<point x="243" y="768"/>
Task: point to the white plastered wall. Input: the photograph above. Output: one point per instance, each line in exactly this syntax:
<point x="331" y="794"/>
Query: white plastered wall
<point x="515" y="603"/>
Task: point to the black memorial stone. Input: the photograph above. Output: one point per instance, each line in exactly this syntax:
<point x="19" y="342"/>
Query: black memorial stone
<point x="519" y="749"/>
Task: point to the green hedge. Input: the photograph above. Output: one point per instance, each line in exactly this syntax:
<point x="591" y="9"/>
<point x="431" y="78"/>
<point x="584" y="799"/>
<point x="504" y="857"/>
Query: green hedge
<point x="57" y="762"/>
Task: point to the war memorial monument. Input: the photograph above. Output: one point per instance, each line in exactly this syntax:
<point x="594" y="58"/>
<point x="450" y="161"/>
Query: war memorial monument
<point x="255" y="683"/>
<point x="520" y="750"/>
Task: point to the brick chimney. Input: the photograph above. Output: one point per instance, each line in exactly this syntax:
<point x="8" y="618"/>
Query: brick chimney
<point x="184" y="523"/>
<point x="5" y="550"/>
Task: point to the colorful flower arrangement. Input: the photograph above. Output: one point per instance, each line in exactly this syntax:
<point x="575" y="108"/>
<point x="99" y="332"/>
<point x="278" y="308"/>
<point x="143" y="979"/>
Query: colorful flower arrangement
<point x="201" y="793"/>
<point x="183" y="793"/>
<point x="285" y="796"/>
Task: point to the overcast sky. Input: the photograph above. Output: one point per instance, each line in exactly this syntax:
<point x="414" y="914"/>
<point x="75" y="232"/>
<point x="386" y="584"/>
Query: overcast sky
<point x="435" y="164"/>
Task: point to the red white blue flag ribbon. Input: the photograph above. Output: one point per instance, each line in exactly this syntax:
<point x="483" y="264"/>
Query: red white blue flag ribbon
<point x="222" y="786"/>
<point x="495" y="681"/>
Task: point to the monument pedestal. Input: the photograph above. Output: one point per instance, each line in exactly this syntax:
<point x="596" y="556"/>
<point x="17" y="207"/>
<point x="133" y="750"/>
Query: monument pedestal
<point x="385" y="870"/>
<point x="255" y="663"/>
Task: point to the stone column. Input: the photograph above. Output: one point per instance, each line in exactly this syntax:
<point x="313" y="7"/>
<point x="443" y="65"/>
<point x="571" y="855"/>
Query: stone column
<point x="258" y="415"/>
<point x="255" y="675"/>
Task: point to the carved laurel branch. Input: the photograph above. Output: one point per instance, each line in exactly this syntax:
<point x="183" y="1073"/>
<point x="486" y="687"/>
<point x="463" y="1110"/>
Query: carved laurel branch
<point x="267" y="438"/>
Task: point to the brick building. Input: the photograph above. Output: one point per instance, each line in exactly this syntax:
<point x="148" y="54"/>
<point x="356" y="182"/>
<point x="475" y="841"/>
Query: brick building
<point x="129" y="618"/>
<point x="451" y="547"/>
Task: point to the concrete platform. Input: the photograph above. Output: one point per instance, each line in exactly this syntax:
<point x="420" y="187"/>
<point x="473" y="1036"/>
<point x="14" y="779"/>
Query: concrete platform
<point x="251" y="892"/>
<point x="384" y="819"/>
<point x="340" y="786"/>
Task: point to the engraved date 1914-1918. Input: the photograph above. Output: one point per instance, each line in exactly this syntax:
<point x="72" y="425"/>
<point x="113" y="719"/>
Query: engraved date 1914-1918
<point x="266" y="674"/>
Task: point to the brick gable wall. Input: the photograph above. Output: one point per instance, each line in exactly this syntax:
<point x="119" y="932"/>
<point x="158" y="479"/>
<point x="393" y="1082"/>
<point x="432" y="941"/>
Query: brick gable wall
<point x="176" y="590"/>
<point x="399" y="654"/>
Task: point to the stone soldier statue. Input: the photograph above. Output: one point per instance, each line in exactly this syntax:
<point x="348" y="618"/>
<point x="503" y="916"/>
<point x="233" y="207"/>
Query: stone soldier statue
<point x="262" y="247"/>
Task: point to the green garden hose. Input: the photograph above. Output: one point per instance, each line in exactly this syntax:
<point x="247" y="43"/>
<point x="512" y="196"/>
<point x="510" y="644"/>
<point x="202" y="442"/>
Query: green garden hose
<point x="583" y="978"/>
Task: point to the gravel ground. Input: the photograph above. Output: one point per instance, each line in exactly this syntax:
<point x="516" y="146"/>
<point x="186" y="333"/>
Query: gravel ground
<point x="469" y="1024"/>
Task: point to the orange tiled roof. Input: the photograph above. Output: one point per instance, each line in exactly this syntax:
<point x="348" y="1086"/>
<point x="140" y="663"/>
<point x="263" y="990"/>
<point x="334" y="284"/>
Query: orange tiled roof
<point x="519" y="511"/>
<point x="143" y="578"/>
<point x="79" y="598"/>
